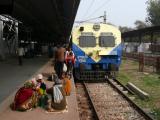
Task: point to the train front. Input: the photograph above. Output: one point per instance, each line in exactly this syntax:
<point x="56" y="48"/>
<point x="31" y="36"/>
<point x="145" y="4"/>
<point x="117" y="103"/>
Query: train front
<point x="98" y="51"/>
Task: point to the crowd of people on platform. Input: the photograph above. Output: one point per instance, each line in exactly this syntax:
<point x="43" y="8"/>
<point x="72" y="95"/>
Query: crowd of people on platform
<point x="35" y="92"/>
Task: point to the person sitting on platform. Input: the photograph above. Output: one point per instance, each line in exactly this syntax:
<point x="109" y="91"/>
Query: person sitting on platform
<point x="25" y="98"/>
<point x="41" y="89"/>
<point x="41" y="86"/>
<point x="58" y="101"/>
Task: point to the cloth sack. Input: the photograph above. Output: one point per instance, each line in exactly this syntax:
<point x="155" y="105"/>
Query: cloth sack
<point x="58" y="97"/>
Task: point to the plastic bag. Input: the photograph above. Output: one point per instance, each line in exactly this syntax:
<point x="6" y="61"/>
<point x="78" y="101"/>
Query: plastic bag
<point x="58" y="97"/>
<point x="64" y="67"/>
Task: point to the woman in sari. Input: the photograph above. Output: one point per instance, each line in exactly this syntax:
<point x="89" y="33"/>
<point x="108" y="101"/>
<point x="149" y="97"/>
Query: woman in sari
<point x="26" y="97"/>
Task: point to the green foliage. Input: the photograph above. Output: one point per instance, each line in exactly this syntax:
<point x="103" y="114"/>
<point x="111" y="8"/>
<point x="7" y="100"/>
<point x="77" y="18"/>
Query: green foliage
<point x="125" y="78"/>
<point x="151" y="80"/>
<point x="156" y="112"/>
<point x="125" y="29"/>
<point x="153" y="10"/>
<point x="140" y="24"/>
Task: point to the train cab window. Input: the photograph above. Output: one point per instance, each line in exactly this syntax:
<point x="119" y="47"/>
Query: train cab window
<point x="87" y="41"/>
<point x="106" y="41"/>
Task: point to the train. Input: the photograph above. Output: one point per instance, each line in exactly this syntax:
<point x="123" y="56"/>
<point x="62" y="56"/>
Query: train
<point x="98" y="50"/>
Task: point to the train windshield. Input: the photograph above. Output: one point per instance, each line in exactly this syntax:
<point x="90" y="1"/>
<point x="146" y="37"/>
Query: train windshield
<point x="106" y="41"/>
<point x="87" y="41"/>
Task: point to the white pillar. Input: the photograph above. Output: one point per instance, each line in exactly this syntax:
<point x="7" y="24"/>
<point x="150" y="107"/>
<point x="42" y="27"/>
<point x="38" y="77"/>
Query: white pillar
<point x="2" y="51"/>
<point x="16" y="36"/>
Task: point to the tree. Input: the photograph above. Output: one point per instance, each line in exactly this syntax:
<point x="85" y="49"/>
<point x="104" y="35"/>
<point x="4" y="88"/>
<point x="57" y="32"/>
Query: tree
<point x="153" y="10"/>
<point x="140" y="24"/>
<point x="124" y="29"/>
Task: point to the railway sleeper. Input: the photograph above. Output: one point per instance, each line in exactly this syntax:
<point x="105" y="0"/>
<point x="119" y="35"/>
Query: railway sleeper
<point x="137" y="91"/>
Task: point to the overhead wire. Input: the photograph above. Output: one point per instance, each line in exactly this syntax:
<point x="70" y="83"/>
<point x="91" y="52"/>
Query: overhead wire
<point x="89" y="7"/>
<point x="88" y="19"/>
<point x="100" y="7"/>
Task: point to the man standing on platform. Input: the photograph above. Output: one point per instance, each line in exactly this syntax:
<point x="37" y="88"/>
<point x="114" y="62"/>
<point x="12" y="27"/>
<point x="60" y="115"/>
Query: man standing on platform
<point x="59" y="61"/>
<point x="20" y="54"/>
<point x="70" y="60"/>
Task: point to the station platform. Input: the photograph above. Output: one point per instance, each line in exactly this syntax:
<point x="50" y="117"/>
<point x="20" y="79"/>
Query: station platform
<point x="12" y="75"/>
<point x="39" y="113"/>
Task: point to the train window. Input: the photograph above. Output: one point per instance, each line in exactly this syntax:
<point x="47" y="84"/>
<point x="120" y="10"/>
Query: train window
<point x="106" y="41"/>
<point x="87" y="41"/>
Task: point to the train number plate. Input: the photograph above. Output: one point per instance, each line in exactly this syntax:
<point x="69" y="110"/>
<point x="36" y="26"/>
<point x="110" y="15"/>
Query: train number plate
<point x="82" y="58"/>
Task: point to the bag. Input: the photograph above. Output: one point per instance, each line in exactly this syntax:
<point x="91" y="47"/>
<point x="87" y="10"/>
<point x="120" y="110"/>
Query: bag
<point x="64" y="67"/>
<point x="67" y="87"/>
<point x="58" y="97"/>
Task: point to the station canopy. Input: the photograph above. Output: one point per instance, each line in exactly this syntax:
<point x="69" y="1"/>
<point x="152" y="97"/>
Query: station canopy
<point x="141" y="32"/>
<point x="50" y="20"/>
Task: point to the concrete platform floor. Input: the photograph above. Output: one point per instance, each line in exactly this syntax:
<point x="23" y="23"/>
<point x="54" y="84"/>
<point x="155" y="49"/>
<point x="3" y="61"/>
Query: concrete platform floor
<point x="12" y="75"/>
<point x="38" y="113"/>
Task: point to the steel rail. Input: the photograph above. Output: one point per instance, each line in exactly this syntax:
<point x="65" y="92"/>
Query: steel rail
<point x="124" y="87"/>
<point x="91" y="102"/>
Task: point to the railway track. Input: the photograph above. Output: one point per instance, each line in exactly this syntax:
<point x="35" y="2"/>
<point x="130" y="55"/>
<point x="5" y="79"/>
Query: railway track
<point x="108" y="101"/>
<point x="85" y="105"/>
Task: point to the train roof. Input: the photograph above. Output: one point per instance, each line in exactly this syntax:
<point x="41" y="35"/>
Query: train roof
<point x="91" y="24"/>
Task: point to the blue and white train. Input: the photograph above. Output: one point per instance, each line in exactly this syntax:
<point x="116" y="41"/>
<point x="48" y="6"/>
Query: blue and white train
<point x="98" y="50"/>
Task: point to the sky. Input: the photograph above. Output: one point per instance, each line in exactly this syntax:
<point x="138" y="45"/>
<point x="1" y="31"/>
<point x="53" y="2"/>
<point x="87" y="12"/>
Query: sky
<point x="119" y="12"/>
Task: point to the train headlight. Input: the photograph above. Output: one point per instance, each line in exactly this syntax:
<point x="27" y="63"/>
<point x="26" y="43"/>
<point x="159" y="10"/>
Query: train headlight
<point x="81" y="29"/>
<point x="96" y="27"/>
